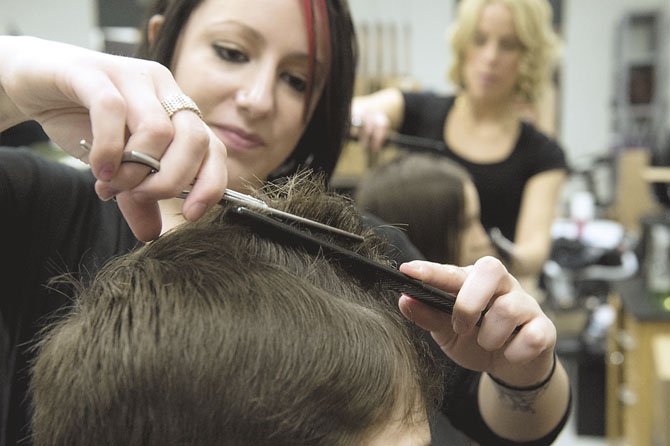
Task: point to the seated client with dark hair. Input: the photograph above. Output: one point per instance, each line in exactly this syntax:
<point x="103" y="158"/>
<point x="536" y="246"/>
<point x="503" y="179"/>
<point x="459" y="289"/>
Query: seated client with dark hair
<point x="214" y="334"/>
<point x="433" y="200"/>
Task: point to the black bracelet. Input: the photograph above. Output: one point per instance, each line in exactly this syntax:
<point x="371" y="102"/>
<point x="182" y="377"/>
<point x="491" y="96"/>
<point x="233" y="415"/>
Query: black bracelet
<point x="537" y="386"/>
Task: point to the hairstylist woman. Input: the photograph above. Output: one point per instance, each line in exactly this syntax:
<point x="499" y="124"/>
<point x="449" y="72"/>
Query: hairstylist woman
<point x="272" y="81"/>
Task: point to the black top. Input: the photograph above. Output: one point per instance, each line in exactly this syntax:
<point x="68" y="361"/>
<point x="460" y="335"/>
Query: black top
<point x="500" y="184"/>
<point x="53" y="223"/>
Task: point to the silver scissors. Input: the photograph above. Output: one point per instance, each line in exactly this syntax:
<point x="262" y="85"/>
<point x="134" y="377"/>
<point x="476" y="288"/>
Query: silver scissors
<point x="134" y="156"/>
<point x="235" y="197"/>
<point x="131" y="156"/>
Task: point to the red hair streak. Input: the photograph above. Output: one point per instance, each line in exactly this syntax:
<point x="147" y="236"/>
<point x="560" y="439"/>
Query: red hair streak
<point x="323" y="9"/>
<point x="310" y="19"/>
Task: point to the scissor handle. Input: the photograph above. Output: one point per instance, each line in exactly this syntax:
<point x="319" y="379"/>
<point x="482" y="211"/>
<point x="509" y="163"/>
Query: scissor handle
<point x="131" y="156"/>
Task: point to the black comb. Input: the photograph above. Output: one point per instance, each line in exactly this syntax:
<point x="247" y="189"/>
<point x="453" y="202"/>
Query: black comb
<point x="366" y="270"/>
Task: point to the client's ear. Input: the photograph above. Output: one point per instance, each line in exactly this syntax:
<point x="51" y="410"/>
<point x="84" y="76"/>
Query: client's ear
<point x="154" y="25"/>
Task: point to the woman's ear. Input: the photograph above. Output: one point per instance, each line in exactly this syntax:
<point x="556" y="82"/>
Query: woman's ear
<point x="154" y="25"/>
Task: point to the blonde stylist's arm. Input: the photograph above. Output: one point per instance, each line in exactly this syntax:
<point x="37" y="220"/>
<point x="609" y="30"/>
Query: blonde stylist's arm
<point x="115" y="103"/>
<point x="533" y="232"/>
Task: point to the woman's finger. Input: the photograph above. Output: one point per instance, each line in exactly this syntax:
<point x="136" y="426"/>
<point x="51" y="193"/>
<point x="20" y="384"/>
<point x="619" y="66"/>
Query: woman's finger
<point x="437" y="322"/>
<point x="211" y="182"/>
<point x="424" y="315"/>
<point x="506" y="314"/>
<point x="149" y="129"/>
<point x="143" y="217"/>
<point x="535" y="337"/>
<point x="487" y="279"/>
<point x="108" y="117"/>
<point x="380" y="130"/>
<point x="449" y="278"/>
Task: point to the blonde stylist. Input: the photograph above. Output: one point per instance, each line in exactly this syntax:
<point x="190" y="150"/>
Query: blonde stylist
<point x="503" y="53"/>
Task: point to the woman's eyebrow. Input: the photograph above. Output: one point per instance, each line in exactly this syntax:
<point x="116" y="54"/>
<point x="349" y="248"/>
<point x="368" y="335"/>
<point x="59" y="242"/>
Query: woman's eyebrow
<point x="303" y="58"/>
<point x="244" y="29"/>
<point x="252" y="34"/>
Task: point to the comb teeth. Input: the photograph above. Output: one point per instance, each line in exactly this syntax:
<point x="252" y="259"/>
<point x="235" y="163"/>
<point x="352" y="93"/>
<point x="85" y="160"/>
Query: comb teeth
<point x="435" y="298"/>
<point x="365" y="270"/>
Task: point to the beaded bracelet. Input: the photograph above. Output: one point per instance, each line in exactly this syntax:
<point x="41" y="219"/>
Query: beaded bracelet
<point x="532" y="388"/>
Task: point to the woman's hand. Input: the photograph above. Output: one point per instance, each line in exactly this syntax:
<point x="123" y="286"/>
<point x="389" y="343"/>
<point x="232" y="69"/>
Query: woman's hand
<point x="375" y="116"/>
<point x="115" y="103"/>
<point x="371" y="128"/>
<point x="522" y="358"/>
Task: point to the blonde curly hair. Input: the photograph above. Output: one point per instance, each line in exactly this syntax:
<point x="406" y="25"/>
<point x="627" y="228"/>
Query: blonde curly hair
<point x="533" y="24"/>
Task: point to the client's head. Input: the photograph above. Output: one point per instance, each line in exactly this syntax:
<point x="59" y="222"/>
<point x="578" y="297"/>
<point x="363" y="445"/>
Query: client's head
<point x="213" y="334"/>
<point x="434" y="200"/>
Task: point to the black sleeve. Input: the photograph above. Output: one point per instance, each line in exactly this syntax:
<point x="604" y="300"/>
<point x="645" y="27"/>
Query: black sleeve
<point x="35" y="200"/>
<point x="546" y="153"/>
<point x="35" y="221"/>
<point x="424" y="115"/>
<point x="52" y="223"/>
<point x="465" y="415"/>
<point x="51" y="219"/>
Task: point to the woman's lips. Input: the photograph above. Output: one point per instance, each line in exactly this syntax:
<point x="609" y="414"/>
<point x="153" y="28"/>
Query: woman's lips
<point x="237" y="139"/>
<point x="486" y="79"/>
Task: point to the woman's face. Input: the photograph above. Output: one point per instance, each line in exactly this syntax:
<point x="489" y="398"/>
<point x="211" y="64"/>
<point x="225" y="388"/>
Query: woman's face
<point x="492" y="59"/>
<point x="473" y="243"/>
<point x="245" y="63"/>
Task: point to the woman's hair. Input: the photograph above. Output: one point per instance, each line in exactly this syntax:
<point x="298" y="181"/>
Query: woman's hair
<point x="533" y="24"/>
<point x="321" y="143"/>
<point x="214" y="334"/>
<point x="424" y="194"/>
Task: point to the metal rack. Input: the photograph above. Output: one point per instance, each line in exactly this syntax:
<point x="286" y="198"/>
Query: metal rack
<point x="640" y="71"/>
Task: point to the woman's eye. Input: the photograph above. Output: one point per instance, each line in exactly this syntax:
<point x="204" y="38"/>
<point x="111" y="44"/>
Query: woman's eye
<point x="295" y="82"/>
<point x="479" y="40"/>
<point x="510" y="45"/>
<point x="230" y="54"/>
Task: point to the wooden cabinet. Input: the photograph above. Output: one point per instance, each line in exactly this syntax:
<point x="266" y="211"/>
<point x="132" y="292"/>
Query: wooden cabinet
<point x="661" y="391"/>
<point x="631" y="381"/>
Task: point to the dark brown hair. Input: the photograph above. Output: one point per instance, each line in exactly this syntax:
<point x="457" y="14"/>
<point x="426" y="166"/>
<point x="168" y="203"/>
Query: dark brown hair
<point x="423" y="195"/>
<point x="214" y="335"/>
<point x="321" y="143"/>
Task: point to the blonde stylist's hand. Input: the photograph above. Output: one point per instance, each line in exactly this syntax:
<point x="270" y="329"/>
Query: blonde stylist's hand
<point x="520" y="359"/>
<point x="115" y="103"/>
<point x="371" y="128"/>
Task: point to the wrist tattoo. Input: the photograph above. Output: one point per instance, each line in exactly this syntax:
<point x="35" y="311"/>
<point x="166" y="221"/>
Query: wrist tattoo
<point x="523" y="398"/>
<point x="520" y="401"/>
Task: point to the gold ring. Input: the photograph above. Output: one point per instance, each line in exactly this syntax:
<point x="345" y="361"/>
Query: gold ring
<point x="178" y="102"/>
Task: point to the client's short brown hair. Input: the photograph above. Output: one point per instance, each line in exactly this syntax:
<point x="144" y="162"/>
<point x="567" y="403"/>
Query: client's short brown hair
<point x="214" y="335"/>
<point x="423" y="194"/>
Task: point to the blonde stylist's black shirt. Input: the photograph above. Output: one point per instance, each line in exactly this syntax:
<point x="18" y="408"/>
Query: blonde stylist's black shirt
<point x="500" y="184"/>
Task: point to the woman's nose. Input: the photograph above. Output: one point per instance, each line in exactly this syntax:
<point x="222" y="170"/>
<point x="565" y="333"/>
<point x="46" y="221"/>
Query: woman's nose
<point x="256" y="96"/>
<point x="491" y="51"/>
